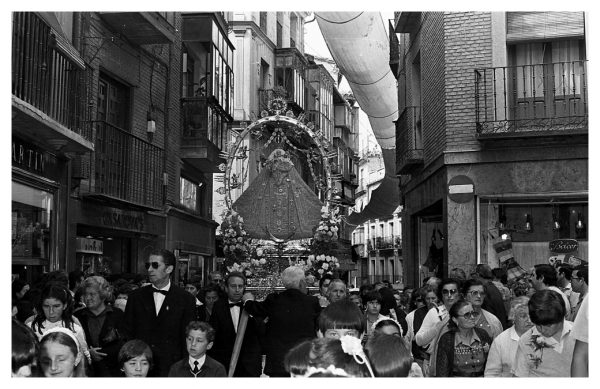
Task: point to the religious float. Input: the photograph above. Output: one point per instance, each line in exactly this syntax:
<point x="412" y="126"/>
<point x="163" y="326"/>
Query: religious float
<point x="289" y="213"/>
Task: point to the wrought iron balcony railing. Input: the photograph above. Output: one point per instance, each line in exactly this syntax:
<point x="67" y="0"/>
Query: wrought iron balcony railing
<point x="124" y="167"/>
<point x="409" y="140"/>
<point x="531" y="100"/>
<point x="44" y="77"/>
<point x="388" y="242"/>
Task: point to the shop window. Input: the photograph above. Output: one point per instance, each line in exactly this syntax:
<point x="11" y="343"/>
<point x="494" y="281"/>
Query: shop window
<point x="548" y="221"/>
<point x="188" y="195"/>
<point x="32" y="214"/>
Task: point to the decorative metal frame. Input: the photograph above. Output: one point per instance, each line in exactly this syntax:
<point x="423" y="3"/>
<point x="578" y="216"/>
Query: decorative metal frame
<point x="285" y="121"/>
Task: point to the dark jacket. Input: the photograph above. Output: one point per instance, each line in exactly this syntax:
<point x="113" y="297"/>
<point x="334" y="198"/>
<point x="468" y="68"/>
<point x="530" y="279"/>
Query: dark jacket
<point x="165" y="333"/>
<point x="210" y="368"/>
<point x="494" y="303"/>
<point x="249" y="362"/>
<point x="109" y="339"/>
<point x="292" y="318"/>
<point x="445" y="353"/>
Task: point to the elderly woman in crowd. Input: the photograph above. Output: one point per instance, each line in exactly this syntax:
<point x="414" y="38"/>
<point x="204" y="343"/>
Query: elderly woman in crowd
<point x="100" y="323"/>
<point x="474" y="292"/>
<point x="504" y="347"/>
<point x="463" y="350"/>
<point x="545" y="350"/>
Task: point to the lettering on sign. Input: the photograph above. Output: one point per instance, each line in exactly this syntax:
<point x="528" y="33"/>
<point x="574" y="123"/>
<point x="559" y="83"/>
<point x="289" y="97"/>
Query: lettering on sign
<point x="28" y="157"/>
<point x="90" y="246"/>
<point x="563" y="246"/>
<point x="119" y="219"/>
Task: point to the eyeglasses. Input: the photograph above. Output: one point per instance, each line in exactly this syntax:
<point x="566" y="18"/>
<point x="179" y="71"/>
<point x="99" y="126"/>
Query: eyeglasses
<point x="449" y="291"/>
<point x="475" y="293"/>
<point x="154" y="265"/>
<point x="470" y="315"/>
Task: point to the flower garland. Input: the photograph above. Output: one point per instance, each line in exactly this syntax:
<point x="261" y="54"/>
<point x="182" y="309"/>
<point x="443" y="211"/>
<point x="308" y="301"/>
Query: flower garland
<point x="328" y="228"/>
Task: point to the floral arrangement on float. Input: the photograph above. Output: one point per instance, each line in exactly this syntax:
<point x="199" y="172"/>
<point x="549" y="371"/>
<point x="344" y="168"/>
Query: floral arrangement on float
<point x="324" y="244"/>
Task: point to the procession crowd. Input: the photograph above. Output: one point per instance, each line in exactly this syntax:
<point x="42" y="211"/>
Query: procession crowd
<point x="475" y="326"/>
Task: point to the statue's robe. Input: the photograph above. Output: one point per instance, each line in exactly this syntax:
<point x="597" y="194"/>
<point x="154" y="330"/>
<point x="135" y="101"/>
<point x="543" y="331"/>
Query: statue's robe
<point x="279" y="202"/>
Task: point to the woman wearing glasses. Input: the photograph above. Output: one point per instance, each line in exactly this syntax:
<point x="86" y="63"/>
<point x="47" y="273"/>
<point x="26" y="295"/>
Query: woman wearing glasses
<point x="474" y="292"/>
<point x="463" y="350"/>
<point x="436" y="319"/>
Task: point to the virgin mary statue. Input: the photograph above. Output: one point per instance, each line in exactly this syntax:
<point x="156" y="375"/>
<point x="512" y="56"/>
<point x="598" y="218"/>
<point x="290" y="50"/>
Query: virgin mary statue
<point x="278" y="203"/>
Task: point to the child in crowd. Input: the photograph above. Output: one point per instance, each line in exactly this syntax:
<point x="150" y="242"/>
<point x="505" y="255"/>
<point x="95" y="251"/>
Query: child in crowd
<point x="199" y="339"/>
<point x="326" y="357"/>
<point x="390" y="357"/>
<point x="60" y="354"/>
<point x="25" y="350"/>
<point x="341" y="318"/>
<point x="135" y="358"/>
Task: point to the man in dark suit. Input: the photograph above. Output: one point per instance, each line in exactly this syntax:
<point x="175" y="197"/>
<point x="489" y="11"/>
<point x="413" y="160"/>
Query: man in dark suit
<point x="224" y="319"/>
<point x="292" y="317"/>
<point x="159" y="313"/>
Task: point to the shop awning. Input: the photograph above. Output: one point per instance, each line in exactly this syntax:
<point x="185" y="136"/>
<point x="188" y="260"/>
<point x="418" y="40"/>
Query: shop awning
<point x="358" y="43"/>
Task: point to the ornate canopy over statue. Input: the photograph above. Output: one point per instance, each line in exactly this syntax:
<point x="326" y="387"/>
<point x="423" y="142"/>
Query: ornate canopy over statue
<point x="278" y="203"/>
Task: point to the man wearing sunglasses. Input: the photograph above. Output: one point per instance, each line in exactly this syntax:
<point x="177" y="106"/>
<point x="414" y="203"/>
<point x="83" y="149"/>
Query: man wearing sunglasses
<point x="158" y="313"/>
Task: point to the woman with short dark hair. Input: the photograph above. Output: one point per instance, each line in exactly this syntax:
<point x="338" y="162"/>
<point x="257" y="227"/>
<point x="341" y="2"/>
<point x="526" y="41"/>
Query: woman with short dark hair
<point x="546" y="350"/>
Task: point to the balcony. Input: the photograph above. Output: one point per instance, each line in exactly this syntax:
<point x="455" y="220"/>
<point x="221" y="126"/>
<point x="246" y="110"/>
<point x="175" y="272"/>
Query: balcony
<point x="141" y="28"/>
<point x="388" y="242"/>
<point x="531" y="101"/>
<point x="46" y="87"/>
<point x="123" y="167"/>
<point x="320" y="121"/>
<point x="409" y="140"/>
<point x="199" y="143"/>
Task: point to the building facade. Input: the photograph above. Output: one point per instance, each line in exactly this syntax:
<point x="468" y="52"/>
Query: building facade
<point x="492" y="140"/>
<point x="126" y="142"/>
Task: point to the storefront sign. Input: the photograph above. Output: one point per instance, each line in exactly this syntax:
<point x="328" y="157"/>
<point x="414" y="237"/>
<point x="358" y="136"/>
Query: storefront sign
<point x="127" y="220"/>
<point x="563" y="246"/>
<point x="461" y="189"/>
<point x="89" y="246"/>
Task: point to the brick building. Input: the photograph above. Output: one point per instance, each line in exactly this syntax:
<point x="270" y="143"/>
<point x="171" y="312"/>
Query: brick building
<point x="111" y="95"/>
<point x="492" y="138"/>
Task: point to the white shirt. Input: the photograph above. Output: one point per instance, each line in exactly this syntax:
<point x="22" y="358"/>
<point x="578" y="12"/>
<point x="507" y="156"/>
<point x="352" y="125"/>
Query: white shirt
<point x="200" y="362"/>
<point x="431" y="327"/>
<point x="159" y="298"/>
<point x="235" y="314"/>
<point x="502" y="353"/>
<point x="580" y="326"/>
<point x="565" y="299"/>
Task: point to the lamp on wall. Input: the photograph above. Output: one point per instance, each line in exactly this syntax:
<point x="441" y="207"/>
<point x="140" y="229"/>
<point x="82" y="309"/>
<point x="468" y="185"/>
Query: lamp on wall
<point x="501" y="218"/>
<point x="579" y="225"/>
<point x="151" y="125"/>
<point x="528" y="225"/>
<point x="555" y="222"/>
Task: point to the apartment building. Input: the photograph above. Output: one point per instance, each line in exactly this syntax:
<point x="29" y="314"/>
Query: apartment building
<point x="492" y="140"/>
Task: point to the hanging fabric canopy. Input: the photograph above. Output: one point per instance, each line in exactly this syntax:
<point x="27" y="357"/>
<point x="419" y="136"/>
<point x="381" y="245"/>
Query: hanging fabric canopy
<point x="358" y="43"/>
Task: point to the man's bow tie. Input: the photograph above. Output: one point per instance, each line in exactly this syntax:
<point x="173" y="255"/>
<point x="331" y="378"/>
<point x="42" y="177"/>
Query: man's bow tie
<point x="239" y="304"/>
<point x="163" y="292"/>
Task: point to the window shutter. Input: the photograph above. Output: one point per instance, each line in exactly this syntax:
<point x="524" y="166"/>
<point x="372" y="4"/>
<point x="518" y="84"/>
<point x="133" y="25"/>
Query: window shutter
<point x="527" y="26"/>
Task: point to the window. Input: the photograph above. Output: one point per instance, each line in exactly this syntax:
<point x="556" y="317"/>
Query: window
<point x="263" y="21"/>
<point x="188" y="195"/>
<point x="293" y="30"/>
<point x="279" y="35"/>
<point x="530" y="247"/>
<point x="32" y="214"/>
<point x="113" y="102"/>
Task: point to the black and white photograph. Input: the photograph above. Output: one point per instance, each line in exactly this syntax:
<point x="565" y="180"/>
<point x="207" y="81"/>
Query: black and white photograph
<point x="267" y="194"/>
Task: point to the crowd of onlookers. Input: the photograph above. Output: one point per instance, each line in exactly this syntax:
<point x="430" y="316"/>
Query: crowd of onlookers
<point x="143" y="325"/>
